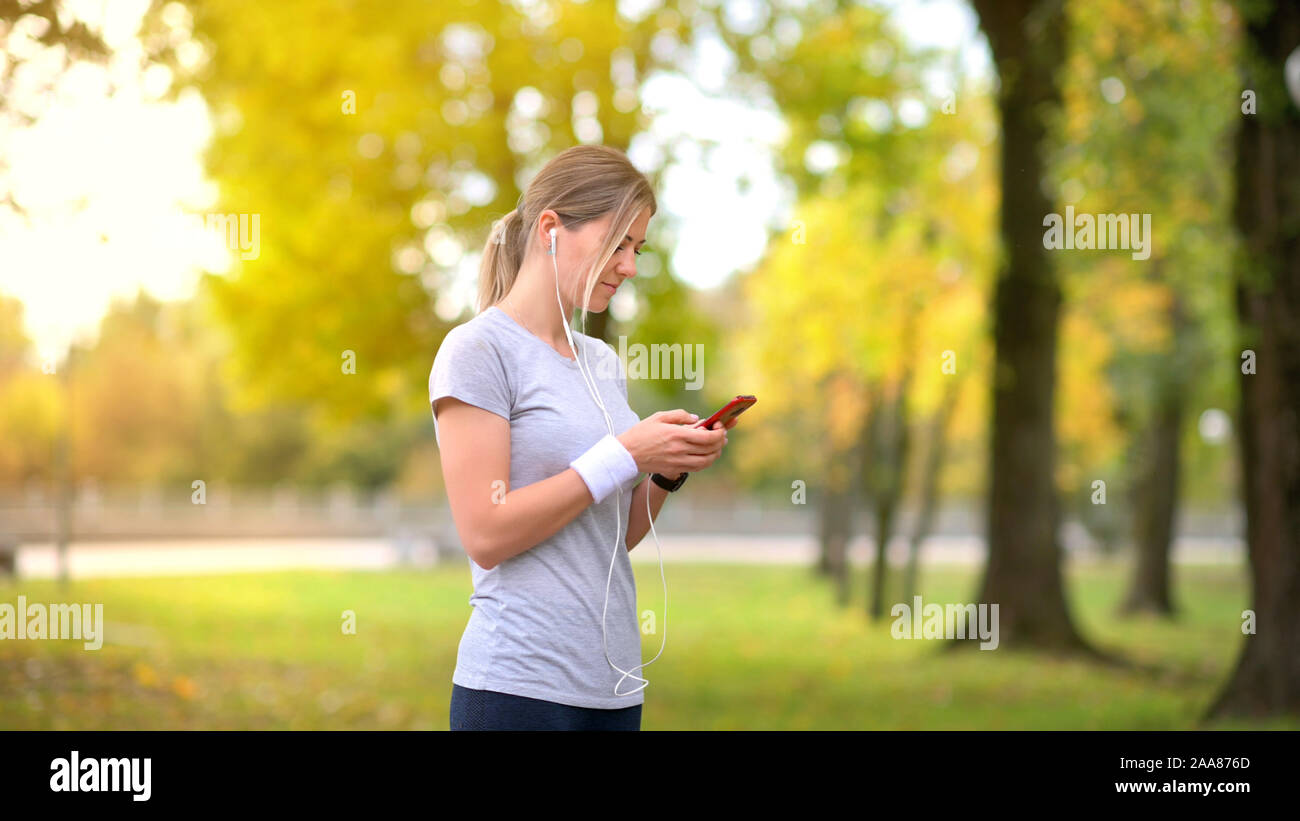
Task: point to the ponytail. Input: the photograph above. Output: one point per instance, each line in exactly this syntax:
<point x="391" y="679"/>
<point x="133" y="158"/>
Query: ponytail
<point x="502" y="256"/>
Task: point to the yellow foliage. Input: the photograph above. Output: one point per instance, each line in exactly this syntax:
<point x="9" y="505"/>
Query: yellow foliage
<point x="144" y="675"/>
<point x="185" y="687"/>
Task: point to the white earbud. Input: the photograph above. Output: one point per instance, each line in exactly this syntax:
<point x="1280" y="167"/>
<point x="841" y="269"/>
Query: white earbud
<point x="590" y="382"/>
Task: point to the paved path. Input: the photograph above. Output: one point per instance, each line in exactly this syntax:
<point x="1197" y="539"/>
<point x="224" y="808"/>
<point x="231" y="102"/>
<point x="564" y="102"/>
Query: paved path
<point x="188" y="557"/>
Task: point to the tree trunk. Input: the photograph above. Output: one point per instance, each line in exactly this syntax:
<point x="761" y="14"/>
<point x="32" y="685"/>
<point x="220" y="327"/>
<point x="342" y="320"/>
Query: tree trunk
<point x="835" y="516"/>
<point x="931" y="470"/>
<point x="1266" y="681"/>
<point x="836" y="532"/>
<point x="1023" y="575"/>
<point x="63" y="481"/>
<point x="1160" y="469"/>
<point x="883" y="479"/>
<point x="836" y="519"/>
<point x="1157" y="505"/>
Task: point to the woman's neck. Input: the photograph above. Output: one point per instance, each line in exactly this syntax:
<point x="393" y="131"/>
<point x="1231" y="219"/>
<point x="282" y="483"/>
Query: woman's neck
<point x="532" y="298"/>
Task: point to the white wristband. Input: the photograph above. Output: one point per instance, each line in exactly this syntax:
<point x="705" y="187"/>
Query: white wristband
<point x="605" y="466"/>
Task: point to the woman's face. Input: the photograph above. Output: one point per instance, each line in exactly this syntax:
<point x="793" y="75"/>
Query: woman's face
<point x="579" y="245"/>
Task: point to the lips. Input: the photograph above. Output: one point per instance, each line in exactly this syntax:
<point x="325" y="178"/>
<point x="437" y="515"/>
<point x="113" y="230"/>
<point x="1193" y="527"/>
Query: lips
<point x="611" y="288"/>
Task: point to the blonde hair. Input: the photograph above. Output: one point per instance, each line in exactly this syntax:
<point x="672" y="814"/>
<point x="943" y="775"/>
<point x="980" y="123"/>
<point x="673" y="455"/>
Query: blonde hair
<point x="580" y="184"/>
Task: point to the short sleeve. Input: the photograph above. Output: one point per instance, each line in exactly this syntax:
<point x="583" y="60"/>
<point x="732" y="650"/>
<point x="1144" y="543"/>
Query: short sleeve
<point x="469" y="368"/>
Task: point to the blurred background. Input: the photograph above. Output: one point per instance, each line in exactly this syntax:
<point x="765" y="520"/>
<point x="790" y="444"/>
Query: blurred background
<point x="233" y="235"/>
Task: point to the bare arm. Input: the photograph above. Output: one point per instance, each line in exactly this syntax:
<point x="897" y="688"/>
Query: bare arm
<point x="637" y="523"/>
<point x="494" y="522"/>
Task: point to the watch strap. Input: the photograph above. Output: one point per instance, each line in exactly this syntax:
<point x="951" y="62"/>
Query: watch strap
<point x="667" y="484"/>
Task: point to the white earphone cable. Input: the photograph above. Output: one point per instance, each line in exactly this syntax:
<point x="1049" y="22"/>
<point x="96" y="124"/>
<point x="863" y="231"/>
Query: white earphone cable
<point x="590" y="382"/>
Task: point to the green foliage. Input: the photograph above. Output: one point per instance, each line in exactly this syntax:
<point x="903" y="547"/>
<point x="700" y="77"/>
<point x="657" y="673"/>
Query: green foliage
<point x="1138" y="329"/>
<point x="881" y="271"/>
<point x="367" y="220"/>
<point x="377" y="149"/>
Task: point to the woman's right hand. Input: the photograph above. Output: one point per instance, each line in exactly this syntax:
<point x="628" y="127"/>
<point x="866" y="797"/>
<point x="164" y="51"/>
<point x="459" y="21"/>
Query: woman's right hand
<point x="667" y="443"/>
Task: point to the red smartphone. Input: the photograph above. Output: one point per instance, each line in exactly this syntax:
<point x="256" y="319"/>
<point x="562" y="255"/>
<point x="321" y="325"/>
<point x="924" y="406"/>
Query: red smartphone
<point x="729" y="411"/>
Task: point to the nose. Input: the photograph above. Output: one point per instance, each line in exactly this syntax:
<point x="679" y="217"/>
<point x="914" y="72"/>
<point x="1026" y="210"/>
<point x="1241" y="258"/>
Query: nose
<point x="625" y="264"/>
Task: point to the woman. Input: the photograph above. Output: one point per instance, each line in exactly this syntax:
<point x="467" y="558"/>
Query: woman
<point x="543" y="454"/>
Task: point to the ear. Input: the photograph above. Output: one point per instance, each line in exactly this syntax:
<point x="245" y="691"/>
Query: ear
<point x="549" y="233"/>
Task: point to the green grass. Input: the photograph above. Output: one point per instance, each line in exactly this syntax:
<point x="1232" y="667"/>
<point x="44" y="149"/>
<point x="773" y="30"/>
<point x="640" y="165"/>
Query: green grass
<point x="749" y="647"/>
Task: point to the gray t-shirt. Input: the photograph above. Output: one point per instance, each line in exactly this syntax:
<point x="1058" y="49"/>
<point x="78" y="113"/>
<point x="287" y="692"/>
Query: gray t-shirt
<point x="536" y="625"/>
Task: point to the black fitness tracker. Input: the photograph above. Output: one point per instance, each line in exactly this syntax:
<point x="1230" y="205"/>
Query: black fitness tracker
<point x="668" y="484"/>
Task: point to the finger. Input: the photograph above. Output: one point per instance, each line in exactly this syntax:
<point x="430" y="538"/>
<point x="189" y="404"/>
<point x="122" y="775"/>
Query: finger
<point x="700" y="436"/>
<point x="712" y="449"/>
<point x="706" y="452"/>
<point x="677" y="417"/>
<point x="702" y="462"/>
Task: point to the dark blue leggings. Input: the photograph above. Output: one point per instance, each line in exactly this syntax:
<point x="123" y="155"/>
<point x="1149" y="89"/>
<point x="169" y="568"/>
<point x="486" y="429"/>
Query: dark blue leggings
<point x="490" y="710"/>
